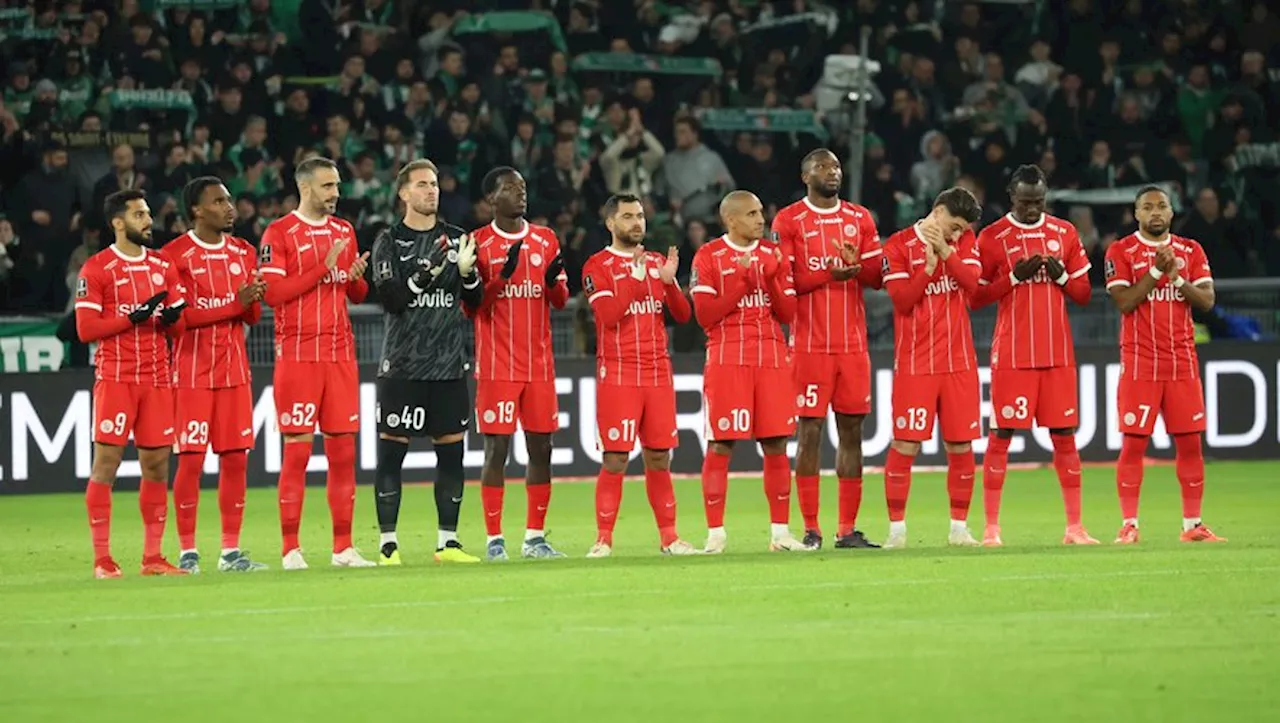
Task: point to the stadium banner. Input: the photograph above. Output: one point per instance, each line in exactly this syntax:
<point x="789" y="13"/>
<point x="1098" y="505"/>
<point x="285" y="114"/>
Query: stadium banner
<point x="763" y="120"/>
<point x="511" y="22"/>
<point x="46" y="426"/>
<point x="30" y="345"/>
<point x="647" y="64"/>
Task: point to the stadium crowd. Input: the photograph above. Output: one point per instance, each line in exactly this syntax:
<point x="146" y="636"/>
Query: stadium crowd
<point x="101" y="96"/>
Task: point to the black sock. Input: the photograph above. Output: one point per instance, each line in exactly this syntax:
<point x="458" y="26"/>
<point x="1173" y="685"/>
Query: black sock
<point x="449" y="482"/>
<point x="387" y="483"/>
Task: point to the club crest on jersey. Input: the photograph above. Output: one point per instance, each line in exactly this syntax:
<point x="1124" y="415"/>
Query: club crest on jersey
<point x="775" y="237"/>
<point x="1053" y="245"/>
<point x="884" y="264"/>
<point x="82" y="287"/>
<point x="384" y="270"/>
<point x="1182" y="263"/>
<point x="234" y="268"/>
<point x="653" y="272"/>
<point x="1111" y="268"/>
<point x="589" y="284"/>
<point x="535" y="258"/>
<point x="850" y="229"/>
<point x="157" y="279"/>
<point x="693" y="278"/>
<point x="264" y="254"/>
<point x="452" y="256"/>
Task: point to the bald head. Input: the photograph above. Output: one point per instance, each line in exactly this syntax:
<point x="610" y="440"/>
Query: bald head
<point x="743" y="216"/>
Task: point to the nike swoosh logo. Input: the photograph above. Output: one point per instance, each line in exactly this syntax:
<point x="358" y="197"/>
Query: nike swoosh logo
<point x="994" y="471"/>
<point x="456" y="500"/>
<point x="353" y="417"/>
<point x="97" y="520"/>
<point x="492" y="514"/>
<point x="783" y="498"/>
<point x="187" y="506"/>
<point x="406" y="258"/>
<point x="384" y="495"/>
<point x="1073" y="471"/>
<point x="670" y="505"/>
<point x="464" y="422"/>
<point x="542" y="508"/>
<point x="239" y="505"/>
<point x="1195" y="484"/>
<point x="607" y="514"/>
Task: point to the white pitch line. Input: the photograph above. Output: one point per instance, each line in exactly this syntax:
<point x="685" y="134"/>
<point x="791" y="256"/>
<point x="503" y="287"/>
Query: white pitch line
<point x="502" y="600"/>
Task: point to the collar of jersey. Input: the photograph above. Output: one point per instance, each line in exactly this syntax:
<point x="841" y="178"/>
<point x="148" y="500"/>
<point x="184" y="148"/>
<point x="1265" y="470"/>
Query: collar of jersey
<point x="524" y="230"/>
<point x="816" y="209"/>
<point x="749" y="247"/>
<point x="1024" y="226"/>
<point x="127" y="257"/>
<point x="1148" y="242"/>
<point x="222" y="242"/>
<point x="309" y="222"/>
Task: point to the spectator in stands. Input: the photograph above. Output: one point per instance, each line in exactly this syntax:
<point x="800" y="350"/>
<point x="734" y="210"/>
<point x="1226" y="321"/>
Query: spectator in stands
<point x="630" y="160"/>
<point x="695" y="176"/>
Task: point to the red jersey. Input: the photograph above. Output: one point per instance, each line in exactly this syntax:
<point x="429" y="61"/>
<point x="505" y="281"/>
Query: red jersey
<point x="111" y="285"/>
<point x="745" y="331"/>
<point x="931" y="331"/>
<point x="513" y="323"/>
<point x="309" y="299"/>
<point x="1157" y="339"/>
<point x="830" y="316"/>
<point x="631" y="328"/>
<point x="1032" y="328"/>
<point x="211" y="354"/>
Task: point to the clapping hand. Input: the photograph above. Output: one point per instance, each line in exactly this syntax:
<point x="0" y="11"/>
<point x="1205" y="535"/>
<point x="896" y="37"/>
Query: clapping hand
<point x="358" y="266"/>
<point x="554" y="269"/>
<point x="667" y="272"/>
<point x="1054" y="267"/>
<point x="513" y="260"/>
<point x="1028" y="266"/>
<point x="147" y="309"/>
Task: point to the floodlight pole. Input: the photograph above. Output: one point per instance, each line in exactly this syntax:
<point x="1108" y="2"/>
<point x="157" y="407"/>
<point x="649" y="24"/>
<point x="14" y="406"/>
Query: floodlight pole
<point x="857" y="136"/>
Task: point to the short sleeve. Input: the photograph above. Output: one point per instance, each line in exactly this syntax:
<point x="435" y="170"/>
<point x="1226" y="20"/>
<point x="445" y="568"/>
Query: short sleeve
<point x="894" y="262"/>
<point x="871" y="248"/>
<point x="597" y="282"/>
<point x="273" y="252"/>
<point x="968" y="249"/>
<point x="89" y="288"/>
<point x="1198" y="272"/>
<point x="1119" y="271"/>
<point x="704" y="279"/>
<point x="1075" y="259"/>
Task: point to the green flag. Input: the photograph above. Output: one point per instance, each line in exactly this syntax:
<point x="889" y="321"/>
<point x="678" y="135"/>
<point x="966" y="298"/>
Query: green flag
<point x="763" y="120"/>
<point x="30" y="346"/>
<point x="513" y="22"/>
<point x="646" y="64"/>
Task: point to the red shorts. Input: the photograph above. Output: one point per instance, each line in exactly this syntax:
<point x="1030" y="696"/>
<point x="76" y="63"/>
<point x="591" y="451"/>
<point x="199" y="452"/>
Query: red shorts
<point x="121" y="409"/>
<point x="1046" y="397"/>
<point x="625" y="414"/>
<point x="1180" y="403"/>
<point x="500" y="404"/>
<point x="954" y="398"/>
<point x="221" y="417"/>
<point x="840" y="381"/>
<point x="323" y="393"/>
<point x="748" y="402"/>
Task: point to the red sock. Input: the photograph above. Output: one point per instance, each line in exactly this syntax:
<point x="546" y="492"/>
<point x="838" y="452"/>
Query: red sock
<point x="1190" y="470"/>
<point x="808" y="490"/>
<point x="233" y="470"/>
<point x="715" y="486"/>
<point x="1129" y="474"/>
<point x="777" y="486"/>
<point x="97" y="500"/>
<point x="292" y="491"/>
<point x="995" y="465"/>
<point x="608" y="498"/>
<point x="960" y="467"/>
<point x="897" y="484"/>
<point x="186" y="497"/>
<point x="662" y="498"/>
<point x="539" y="497"/>
<point x="153" y="502"/>
<point x="491" y="500"/>
<point x="341" y="486"/>
<point x="850" y="502"/>
<point x="1066" y="460"/>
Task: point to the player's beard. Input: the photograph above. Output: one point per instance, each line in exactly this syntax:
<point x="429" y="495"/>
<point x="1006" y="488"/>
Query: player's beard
<point x="631" y="239"/>
<point x="1151" y="230"/>
<point x="426" y="209"/>
<point x="827" y="192"/>
<point x="141" y="237"/>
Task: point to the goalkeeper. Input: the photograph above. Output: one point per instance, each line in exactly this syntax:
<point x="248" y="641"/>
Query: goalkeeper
<point x="423" y="270"/>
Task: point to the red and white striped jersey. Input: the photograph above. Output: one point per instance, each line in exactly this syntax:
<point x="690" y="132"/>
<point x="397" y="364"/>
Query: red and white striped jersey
<point x="749" y="334"/>
<point x="113" y="285"/>
<point x="931" y="334"/>
<point x="315" y="325"/>
<point x="1032" y="328"/>
<point x="830" y="315"/>
<point x="211" y="353"/>
<point x="1157" y="339"/>
<point x="631" y="326"/>
<point x="513" y="323"/>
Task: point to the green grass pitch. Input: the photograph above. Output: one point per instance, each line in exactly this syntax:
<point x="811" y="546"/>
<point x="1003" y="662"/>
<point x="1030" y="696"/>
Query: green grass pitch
<point x="1032" y="632"/>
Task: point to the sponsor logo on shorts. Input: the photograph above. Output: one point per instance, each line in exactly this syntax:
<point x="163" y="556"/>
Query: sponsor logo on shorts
<point x="1006" y="411"/>
<point x="1130" y="418"/>
<point x="1198" y="416"/>
<point x="489" y="416"/>
<point x="901" y="423"/>
<point x="1069" y="412"/>
<point x="105" y="426"/>
<point x="393" y="419"/>
<point x="614" y="434"/>
<point x="354" y="417"/>
<point x="284" y="419"/>
<point x="723" y="424"/>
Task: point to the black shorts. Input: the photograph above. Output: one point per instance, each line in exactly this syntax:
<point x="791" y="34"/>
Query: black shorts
<point x="411" y="408"/>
